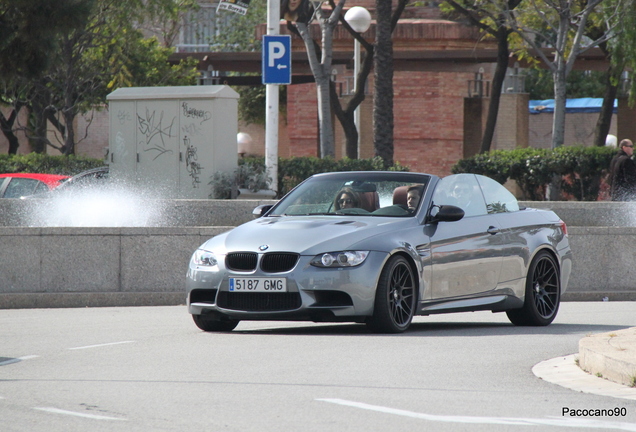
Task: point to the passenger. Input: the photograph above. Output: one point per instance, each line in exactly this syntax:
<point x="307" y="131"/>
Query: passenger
<point x="413" y="196"/>
<point x="466" y="196"/>
<point x="345" y="199"/>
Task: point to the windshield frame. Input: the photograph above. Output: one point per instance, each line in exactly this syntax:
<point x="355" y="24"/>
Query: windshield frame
<point x="354" y="178"/>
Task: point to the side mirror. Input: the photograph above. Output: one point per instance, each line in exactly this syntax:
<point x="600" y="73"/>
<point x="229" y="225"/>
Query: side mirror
<point x="446" y="213"/>
<point x="261" y="210"/>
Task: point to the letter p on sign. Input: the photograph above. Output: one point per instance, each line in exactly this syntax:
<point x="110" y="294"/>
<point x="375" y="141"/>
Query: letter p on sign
<point x="276" y="51"/>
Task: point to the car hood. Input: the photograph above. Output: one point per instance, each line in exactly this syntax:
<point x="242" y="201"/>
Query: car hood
<point x="307" y="235"/>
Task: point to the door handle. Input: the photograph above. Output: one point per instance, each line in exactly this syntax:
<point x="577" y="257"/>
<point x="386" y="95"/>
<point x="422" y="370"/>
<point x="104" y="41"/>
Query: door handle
<point x="493" y="230"/>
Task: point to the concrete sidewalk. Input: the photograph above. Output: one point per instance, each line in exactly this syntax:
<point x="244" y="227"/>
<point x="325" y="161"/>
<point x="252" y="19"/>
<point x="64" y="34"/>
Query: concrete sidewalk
<point x="610" y="355"/>
<point x="605" y="366"/>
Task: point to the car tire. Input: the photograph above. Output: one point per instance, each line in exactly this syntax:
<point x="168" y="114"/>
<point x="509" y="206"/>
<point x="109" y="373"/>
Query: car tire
<point x="543" y="293"/>
<point x="395" y="298"/>
<point x="210" y="324"/>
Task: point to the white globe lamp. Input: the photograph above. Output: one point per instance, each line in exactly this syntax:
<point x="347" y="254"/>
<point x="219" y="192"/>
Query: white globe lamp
<point x="358" y="18"/>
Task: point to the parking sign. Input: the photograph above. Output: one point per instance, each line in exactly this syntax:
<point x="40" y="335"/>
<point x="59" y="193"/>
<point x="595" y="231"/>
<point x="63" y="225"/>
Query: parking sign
<point x="277" y="59"/>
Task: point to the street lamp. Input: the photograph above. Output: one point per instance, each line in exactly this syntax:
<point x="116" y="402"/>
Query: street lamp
<point x="359" y="19"/>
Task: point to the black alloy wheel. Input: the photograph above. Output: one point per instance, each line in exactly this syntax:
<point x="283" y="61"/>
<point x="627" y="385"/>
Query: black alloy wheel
<point x="395" y="298"/>
<point x="543" y="293"/>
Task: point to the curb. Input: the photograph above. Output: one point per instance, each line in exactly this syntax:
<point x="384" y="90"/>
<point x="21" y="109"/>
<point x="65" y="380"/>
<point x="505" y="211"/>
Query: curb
<point x="564" y="371"/>
<point x="610" y="355"/>
<point x="94" y="299"/>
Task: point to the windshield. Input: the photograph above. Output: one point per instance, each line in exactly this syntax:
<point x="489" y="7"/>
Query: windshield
<point x="356" y="193"/>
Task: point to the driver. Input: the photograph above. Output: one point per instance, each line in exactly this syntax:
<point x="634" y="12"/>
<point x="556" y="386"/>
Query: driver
<point x="345" y="199"/>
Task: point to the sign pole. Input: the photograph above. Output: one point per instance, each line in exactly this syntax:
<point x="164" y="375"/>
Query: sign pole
<point x="271" y="104"/>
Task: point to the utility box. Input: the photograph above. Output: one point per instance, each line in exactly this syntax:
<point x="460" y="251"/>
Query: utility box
<point x="173" y="139"/>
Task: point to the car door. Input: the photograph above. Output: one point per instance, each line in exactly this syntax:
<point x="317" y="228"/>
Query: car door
<point x="466" y="255"/>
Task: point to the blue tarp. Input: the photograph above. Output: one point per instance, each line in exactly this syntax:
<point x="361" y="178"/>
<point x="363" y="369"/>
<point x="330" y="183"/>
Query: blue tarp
<point x="580" y="105"/>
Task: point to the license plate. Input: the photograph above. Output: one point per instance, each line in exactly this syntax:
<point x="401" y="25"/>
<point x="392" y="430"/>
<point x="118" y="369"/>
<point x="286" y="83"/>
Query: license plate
<point x="258" y="284"/>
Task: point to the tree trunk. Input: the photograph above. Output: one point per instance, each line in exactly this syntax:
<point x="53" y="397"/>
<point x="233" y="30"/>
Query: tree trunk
<point x="558" y="120"/>
<point x="558" y="124"/>
<point x="6" y="124"/>
<point x="69" y="141"/>
<point x="37" y="134"/>
<point x="351" y="136"/>
<point x="321" y="69"/>
<point x="327" y="144"/>
<point x="607" y="109"/>
<point x="383" y="100"/>
<point x="345" y="117"/>
<point x="498" y="79"/>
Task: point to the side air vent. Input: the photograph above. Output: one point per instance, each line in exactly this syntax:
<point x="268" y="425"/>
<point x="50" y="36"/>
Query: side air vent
<point x="203" y="296"/>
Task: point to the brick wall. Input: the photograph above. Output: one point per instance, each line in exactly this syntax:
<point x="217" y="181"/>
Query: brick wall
<point x="428" y="112"/>
<point x="302" y="121"/>
<point x="512" y="122"/>
<point x="428" y="121"/>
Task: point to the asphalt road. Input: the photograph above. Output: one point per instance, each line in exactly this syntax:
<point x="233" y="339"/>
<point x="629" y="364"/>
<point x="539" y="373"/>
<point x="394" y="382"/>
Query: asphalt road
<point x="150" y="369"/>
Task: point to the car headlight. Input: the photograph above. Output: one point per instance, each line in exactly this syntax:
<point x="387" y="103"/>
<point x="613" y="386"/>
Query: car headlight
<point x="340" y="259"/>
<point x="205" y="258"/>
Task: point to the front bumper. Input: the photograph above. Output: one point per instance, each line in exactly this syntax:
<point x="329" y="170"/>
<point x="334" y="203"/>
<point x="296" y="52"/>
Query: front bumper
<point x="316" y="294"/>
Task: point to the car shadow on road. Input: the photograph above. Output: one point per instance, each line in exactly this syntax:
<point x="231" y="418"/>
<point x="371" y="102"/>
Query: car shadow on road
<point x="436" y="329"/>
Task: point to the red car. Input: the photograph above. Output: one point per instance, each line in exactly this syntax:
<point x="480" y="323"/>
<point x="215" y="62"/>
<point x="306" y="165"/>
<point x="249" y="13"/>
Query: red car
<point x="22" y="184"/>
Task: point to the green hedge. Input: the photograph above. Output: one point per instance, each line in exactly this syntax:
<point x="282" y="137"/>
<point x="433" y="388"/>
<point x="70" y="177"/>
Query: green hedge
<point x="45" y="164"/>
<point x="292" y="171"/>
<point x="580" y="170"/>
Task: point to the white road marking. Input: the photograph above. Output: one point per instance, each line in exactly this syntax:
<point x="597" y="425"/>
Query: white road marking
<point x="101" y="345"/>
<point x="79" y="414"/>
<point x="550" y="421"/>
<point x="16" y="360"/>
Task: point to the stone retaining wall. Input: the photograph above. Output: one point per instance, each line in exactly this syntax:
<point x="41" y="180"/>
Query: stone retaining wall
<point x="76" y="267"/>
<point x="70" y="267"/>
<point x="189" y="213"/>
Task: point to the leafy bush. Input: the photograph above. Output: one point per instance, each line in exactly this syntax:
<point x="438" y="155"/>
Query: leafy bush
<point x="248" y="175"/>
<point x="581" y="170"/>
<point x="585" y="169"/>
<point x="45" y="164"/>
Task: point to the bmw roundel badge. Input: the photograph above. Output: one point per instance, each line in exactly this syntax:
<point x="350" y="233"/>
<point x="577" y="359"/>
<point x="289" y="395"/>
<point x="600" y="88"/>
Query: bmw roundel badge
<point x="263" y="247"/>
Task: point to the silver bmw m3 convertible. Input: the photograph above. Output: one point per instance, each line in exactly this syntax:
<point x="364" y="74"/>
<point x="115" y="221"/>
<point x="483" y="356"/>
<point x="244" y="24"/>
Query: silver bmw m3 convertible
<point x="379" y="248"/>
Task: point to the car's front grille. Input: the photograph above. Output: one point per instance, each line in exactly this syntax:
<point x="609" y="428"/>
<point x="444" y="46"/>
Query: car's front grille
<point x="278" y="262"/>
<point x="241" y="261"/>
<point x="259" y="302"/>
<point x="275" y="262"/>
